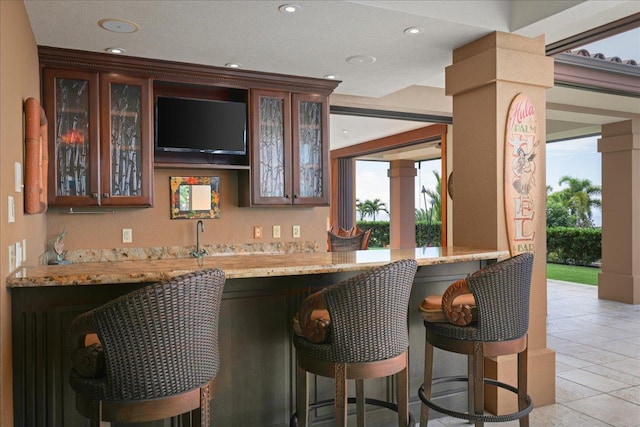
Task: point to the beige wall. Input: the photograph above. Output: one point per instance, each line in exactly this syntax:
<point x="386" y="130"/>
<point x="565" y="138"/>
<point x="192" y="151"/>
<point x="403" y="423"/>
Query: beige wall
<point x="18" y="81"/>
<point x="153" y="227"/>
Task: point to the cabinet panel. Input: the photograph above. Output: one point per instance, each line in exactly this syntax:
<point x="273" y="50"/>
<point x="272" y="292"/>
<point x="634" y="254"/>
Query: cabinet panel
<point x="289" y="149"/>
<point x="310" y="149"/>
<point x="72" y="101"/>
<point x="100" y="151"/>
<point x="270" y="148"/>
<point x="126" y="156"/>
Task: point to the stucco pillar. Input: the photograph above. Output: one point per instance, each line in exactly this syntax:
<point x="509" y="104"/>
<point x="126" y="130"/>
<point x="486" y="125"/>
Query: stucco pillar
<point x="620" y="148"/>
<point x="485" y="77"/>
<point x="402" y="227"/>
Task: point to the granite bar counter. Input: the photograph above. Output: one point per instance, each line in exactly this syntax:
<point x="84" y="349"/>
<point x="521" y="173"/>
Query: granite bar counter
<point x="256" y="381"/>
<point x="237" y="266"/>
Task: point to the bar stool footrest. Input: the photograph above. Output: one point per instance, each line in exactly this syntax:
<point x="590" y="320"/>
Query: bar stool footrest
<point x="293" y="422"/>
<point x="476" y="417"/>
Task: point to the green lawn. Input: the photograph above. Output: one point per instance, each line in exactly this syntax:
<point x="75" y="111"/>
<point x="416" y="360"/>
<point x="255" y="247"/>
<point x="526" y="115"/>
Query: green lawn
<point x="572" y="273"/>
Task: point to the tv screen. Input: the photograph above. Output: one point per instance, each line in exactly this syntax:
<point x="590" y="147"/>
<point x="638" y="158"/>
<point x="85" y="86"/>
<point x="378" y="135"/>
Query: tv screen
<point x="201" y="125"/>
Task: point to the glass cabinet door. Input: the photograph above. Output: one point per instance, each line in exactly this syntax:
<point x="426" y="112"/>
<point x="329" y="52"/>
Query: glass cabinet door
<point x="126" y="141"/>
<point x="71" y="97"/>
<point x="310" y="149"/>
<point x="271" y="147"/>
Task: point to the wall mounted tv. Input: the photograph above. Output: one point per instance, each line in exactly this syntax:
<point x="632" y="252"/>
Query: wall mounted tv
<point x="191" y="125"/>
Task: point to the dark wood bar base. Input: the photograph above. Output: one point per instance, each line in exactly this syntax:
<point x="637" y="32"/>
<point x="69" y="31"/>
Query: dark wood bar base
<point x="256" y="382"/>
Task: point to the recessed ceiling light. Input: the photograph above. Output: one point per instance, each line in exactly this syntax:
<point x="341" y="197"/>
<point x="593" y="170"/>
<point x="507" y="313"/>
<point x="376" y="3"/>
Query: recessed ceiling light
<point x="115" y="50"/>
<point x="361" y="59"/>
<point x="118" y="25"/>
<point x="232" y="65"/>
<point x="413" y="30"/>
<point x="331" y="76"/>
<point x="289" y="8"/>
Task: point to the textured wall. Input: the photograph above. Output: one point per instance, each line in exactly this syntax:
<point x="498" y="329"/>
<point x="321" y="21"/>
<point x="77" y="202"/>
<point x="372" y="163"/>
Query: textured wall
<point x="18" y="81"/>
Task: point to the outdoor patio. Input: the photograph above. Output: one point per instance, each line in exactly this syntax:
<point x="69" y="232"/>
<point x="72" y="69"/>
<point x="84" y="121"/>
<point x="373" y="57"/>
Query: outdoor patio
<point x="597" y="346"/>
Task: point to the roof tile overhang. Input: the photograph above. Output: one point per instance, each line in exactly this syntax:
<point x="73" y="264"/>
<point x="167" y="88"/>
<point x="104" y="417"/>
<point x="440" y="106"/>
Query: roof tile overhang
<point x="597" y="75"/>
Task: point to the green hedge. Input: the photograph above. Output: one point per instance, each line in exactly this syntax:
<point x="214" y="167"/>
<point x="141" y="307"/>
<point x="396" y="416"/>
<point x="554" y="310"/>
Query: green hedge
<point x="380" y="233"/>
<point x="572" y="245"/>
<point x="565" y="245"/>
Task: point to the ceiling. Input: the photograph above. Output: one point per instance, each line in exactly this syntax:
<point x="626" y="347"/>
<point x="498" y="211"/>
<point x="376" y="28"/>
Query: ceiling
<point x="317" y="40"/>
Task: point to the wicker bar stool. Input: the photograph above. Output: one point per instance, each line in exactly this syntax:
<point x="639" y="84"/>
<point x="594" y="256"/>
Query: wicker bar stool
<point x="496" y="326"/>
<point x="341" y="240"/>
<point x="356" y="329"/>
<point x="158" y="356"/>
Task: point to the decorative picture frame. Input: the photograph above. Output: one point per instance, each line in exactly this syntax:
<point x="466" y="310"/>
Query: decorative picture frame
<point x="195" y="197"/>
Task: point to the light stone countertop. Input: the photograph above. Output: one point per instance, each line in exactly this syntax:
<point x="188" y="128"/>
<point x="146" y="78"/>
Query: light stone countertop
<point x="237" y="266"/>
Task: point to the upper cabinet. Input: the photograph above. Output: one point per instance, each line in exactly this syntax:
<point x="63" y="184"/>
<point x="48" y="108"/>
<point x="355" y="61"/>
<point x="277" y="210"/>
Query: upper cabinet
<point x="101" y="150"/>
<point x="101" y="139"/>
<point x="289" y="150"/>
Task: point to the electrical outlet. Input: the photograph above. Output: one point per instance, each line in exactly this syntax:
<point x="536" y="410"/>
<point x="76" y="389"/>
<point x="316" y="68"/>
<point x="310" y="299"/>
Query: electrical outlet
<point x="276" y="231"/>
<point x="127" y="235"/>
<point x="257" y="232"/>
<point x="296" y="231"/>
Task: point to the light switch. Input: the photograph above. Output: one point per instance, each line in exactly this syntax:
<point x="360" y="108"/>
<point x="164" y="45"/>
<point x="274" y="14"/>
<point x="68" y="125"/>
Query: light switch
<point x="11" y="210"/>
<point x="18" y="254"/>
<point x="12" y="257"/>
<point x="24" y="250"/>
<point x="18" y="176"/>
<point x="276" y="231"/>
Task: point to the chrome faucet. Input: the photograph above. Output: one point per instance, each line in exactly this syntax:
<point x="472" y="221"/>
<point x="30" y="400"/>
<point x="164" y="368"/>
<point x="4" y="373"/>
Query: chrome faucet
<point x="198" y="253"/>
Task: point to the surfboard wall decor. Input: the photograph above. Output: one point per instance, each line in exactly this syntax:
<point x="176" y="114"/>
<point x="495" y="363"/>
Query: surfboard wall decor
<point x="521" y="202"/>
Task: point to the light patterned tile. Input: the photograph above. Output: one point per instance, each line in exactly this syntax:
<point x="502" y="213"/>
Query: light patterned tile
<point x="609" y="409"/>
<point x="591" y="380"/>
<point x="625" y="377"/>
<point x="562" y="416"/>
<point x="568" y="391"/>
<point x="631" y="394"/>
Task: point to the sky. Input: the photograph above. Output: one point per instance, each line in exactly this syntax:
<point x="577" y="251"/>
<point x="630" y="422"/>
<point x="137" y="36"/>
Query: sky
<point x="578" y="158"/>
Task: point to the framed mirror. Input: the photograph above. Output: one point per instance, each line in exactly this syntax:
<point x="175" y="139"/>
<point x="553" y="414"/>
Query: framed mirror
<point x="195" y="197"/>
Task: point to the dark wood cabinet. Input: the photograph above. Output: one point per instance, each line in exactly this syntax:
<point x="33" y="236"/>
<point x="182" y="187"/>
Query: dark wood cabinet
<point x="289" y="150"/>
<point x="100" y="150"/>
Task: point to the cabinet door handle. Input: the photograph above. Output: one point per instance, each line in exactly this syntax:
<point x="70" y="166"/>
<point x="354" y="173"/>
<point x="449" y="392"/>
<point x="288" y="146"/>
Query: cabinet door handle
<point x="295" y="196"/>
<point x="105" y="195"/>
<point x="286" y="196"/>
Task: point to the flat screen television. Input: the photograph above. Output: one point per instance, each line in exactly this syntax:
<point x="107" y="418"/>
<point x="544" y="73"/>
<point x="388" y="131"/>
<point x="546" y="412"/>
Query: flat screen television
<point x="201" y="125"/>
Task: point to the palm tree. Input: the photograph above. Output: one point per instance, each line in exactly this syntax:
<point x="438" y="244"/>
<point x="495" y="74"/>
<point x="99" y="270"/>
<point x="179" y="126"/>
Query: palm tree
<point x="372" y="207"/>
<point x="435" y="195"/>
<point x="361" y="209"/>
<point x="578" y="198"/>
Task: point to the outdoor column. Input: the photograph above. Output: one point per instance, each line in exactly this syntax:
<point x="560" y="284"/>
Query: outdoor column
<point x="485" y="77"/>
<point x="620" y="148"/>
<point x="402" y="224"/>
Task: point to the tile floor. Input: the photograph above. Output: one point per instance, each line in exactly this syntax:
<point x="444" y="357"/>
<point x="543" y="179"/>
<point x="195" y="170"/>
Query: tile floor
<point x="597" y="345"/>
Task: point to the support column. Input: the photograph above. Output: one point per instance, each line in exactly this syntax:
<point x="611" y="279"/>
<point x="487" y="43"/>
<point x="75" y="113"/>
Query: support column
<point x="620" y="148"/>
<point x="485" y="77"/>
<point x="402" y="227"/>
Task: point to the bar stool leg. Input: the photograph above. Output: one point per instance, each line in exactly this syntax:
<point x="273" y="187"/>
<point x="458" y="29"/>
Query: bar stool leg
<point x="522" y="385"/>
<point x="360" y="402"/>
<point x="341" y="394"/>
<point x="471" y="386"/>
<point x="402" y="392"/>
<point x="478" y="380"/>
<point x="302" y="397"/>
<point x="428" y="378"/>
